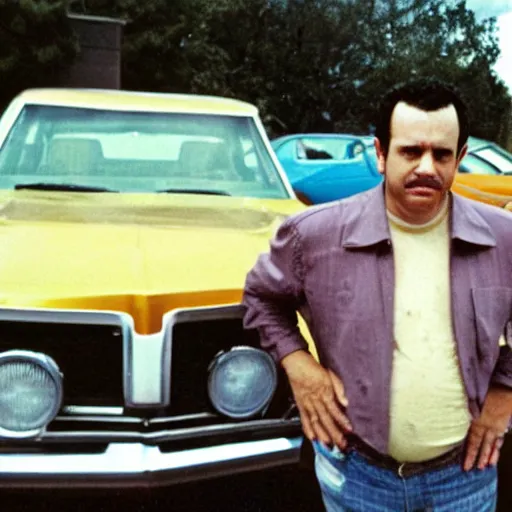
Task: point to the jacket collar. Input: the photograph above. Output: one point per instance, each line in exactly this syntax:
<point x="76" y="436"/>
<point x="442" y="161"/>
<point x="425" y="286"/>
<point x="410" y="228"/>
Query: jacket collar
<point x="468" y="225"/>
<point x="367" y="223"/>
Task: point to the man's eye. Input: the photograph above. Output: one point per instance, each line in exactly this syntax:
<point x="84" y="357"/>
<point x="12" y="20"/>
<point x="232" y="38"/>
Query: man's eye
<point x="411" y="152"/>
<point x="442" y="155"/>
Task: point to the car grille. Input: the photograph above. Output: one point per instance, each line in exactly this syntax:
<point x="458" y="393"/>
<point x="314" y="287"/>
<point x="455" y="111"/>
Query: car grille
<point x="194" y="345"/>
<point x="89" y="356"/>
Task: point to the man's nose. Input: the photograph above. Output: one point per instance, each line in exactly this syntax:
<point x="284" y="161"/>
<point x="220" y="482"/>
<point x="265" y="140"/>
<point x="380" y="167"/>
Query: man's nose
<point x="426" y="164"/>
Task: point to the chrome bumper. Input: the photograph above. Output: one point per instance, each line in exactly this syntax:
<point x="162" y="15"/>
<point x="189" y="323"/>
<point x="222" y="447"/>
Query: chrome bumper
<point x="139" y="465"/>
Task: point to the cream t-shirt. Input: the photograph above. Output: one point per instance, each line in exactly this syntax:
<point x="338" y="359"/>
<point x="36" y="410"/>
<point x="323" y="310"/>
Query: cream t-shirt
<point x="429" y="408"/>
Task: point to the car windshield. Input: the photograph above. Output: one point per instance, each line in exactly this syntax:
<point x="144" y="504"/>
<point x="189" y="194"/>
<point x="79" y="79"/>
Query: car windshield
<point x="138" y="152"/>
<point x="474" y="165"/>
<point x="497" y="158"/>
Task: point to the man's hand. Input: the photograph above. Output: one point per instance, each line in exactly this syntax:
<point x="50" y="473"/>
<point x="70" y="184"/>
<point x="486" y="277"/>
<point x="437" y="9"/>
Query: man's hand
<point x="320" y="398"/>
<point x="486" y="432"/>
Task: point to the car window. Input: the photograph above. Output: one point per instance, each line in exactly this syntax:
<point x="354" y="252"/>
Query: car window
<point x="252" y="161"/>
<point x="139" y="151"/>
<point x="285" y="150"/>
<point x="496" y="158"/>
<point x="328" y="148"/>
<point x="475" y="165"/>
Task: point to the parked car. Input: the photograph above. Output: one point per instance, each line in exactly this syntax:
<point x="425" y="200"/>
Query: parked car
<point x="486" y="157"/>
<point x="485" y="174"/>
<point x="326" y="167"/>
<point x="128" y="224"/>
<point x="495" y="189"/>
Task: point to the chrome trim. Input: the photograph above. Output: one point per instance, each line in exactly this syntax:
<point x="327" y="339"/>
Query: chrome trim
<point x="136" y="420"/>
<point x="51" y="368"/>
<point x="85" y="410"/>
<point x="118" y="319"/>
<point x="219" y="312"/>
<point x="183" y="417"/>
<point x="147" y="372"/>
<point x="144" y="385"/>
<point x="135" y="464"/>
<point x="166" y="435"/>
<point x="62" y="316"/>
<point x="99" y="419"/>
<point x="277" y="164"/>
<point x="182" y="315"/>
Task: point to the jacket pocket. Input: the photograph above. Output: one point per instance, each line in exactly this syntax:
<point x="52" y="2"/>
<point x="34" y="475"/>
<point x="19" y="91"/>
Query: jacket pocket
<point x="493" y="313"/>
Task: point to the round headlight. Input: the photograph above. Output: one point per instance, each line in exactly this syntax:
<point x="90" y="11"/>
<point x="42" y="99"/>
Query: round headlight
<point x="30" y="393"/>
<point x="241" y="382"/>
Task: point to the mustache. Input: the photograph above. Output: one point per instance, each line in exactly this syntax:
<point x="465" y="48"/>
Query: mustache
<point x="425" y="181"/>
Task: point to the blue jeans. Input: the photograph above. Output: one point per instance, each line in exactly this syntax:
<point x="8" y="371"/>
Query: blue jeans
<point x="350" y="483"/>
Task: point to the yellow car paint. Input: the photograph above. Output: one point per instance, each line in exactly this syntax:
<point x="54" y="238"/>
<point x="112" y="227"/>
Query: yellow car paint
<point x="143" y="254"/>
<point x="495" y="190"/>
<point x="137" y="101"/>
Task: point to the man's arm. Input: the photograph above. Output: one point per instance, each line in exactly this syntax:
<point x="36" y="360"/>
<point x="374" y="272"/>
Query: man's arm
<point x="273" y="293"/>
<point x="486" y="433"/>
<point x="320" y="398"/>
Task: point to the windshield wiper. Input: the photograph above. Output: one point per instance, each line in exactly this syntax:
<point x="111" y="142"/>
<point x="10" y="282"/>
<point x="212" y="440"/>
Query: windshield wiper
<point x="65" y="187"/>
<point x="194" y="191"/>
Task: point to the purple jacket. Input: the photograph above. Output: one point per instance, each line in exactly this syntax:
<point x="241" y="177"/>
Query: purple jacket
<point x="334" y="264"/>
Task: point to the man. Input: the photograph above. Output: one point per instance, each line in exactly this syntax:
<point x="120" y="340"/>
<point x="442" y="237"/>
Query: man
<point x="407" y="293"/>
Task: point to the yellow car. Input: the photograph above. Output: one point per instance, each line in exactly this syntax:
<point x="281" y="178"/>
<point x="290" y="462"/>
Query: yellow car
<point x="485" y="174"/>
<point x="128" y="223"/>
<point x="495" y="190"/>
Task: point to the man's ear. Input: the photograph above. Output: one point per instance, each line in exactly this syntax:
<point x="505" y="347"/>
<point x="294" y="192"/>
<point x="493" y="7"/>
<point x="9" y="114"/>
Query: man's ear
<point x="381" y="157"/>
<point x="462" y="154"/>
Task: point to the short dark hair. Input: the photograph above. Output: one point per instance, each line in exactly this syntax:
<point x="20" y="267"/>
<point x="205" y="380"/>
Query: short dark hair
<point x="426" y="94"/>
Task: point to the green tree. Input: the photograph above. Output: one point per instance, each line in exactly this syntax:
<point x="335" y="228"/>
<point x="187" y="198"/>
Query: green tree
<point x="282" y="56"/>
<point x="36" y="44"/>
<point x="309" y="65"/>
<point x="166" y="47"/>
<point x="439" y="39"/>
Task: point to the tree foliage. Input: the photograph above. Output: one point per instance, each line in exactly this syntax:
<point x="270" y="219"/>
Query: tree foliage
<point x="309" y="65"/>
<point x="36" y="43"/>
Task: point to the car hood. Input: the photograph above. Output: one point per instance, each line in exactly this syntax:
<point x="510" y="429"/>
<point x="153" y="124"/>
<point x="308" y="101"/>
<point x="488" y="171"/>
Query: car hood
<point x="143" y="254"/>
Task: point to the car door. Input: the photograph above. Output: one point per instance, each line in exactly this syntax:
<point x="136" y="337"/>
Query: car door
<point x="332" y="167"/>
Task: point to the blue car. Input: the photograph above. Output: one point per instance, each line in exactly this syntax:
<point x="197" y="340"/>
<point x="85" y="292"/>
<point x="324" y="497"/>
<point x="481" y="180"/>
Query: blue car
<point x="486" y="157"/>
<point x="326" y="167"/>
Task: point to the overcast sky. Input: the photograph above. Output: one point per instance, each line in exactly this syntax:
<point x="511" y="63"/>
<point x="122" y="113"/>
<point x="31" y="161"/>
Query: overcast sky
<point x="502" y="9"/>
<point x="487" y="8"/>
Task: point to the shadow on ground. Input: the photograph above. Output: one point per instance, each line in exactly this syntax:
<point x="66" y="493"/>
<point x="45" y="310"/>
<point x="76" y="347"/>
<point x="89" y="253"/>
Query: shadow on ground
<point x="278" y="490"/>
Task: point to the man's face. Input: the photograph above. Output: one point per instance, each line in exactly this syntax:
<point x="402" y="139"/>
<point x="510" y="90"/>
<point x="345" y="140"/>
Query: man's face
<point x="421" y="162"/>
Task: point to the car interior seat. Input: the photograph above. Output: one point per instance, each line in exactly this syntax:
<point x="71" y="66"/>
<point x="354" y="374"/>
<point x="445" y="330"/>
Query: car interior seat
<point x="193" y="158"/>
<point x="74" y="156"/>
